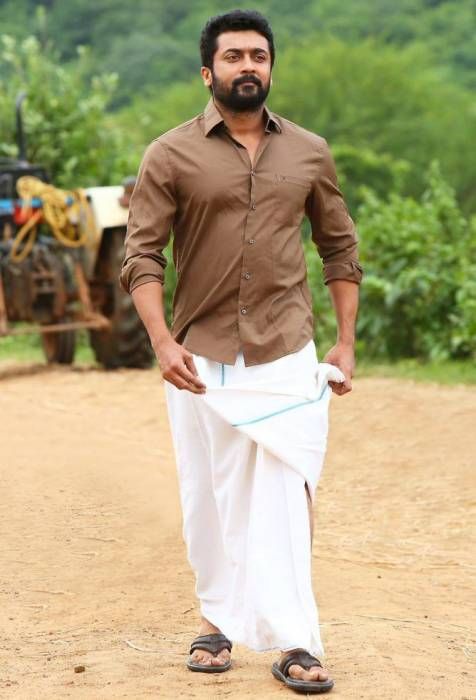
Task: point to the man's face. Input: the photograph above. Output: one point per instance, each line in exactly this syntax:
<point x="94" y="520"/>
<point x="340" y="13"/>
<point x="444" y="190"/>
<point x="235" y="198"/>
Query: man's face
<point x="241" y="73"/>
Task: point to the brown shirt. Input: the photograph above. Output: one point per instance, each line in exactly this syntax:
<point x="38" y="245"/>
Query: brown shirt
<point x="241" y="273"/>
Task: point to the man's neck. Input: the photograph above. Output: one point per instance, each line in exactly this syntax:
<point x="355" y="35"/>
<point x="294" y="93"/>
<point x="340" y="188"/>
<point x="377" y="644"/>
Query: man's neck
<point x="242" y="123"/>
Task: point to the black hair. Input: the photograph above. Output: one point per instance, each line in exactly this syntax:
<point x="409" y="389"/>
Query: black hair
<point x="234" y="21"/>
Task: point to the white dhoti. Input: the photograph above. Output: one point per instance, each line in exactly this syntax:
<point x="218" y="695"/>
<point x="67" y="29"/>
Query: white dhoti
<point x="245" y="451"/>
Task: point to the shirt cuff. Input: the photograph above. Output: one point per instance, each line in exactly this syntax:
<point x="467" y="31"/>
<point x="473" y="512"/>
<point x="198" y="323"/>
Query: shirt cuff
<point x="350" y="270"/>
<point x="137" y="272"/>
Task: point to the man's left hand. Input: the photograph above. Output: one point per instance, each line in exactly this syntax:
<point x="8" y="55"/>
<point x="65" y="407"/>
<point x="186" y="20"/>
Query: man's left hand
<point x="342" y="356"/>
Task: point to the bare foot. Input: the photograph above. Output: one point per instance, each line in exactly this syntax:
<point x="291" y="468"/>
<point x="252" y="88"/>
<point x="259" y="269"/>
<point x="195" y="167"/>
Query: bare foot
<point x="315" y="673"/>
<point x="200" y="656"/>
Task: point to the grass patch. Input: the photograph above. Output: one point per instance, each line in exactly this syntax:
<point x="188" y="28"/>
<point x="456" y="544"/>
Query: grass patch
<point x="28" y="348"/>
<point x="448" y="372"/>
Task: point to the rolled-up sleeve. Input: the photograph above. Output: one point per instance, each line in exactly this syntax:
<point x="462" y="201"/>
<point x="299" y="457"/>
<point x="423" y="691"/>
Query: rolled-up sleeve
<point x="151" y="215"/>
<point x="333" y="230"/>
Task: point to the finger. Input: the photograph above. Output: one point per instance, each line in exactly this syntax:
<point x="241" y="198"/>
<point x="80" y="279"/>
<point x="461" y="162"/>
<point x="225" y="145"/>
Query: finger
<point x="179" y="369"/>
<point x="345" y="387"/>
<point x="190" y="364"/>
<point x="190" y="378"/>
<point x="336" y="386"/>
<point x="177" y="380"/>
<point x="340" y="388"/>
<point x="194" y="389"/>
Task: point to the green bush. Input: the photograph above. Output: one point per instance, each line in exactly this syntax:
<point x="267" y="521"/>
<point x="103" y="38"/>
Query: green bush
<point x="362" y="168"/>
<point x="67" y="128"/>
<point x="418" y="295"/>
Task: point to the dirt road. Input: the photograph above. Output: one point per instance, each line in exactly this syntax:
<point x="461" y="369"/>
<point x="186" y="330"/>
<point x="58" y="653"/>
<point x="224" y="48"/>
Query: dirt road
<point x="93" y="570"/>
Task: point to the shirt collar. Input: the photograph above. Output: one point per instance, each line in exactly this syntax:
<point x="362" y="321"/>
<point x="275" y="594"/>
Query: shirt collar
<point x="212" y="118"/>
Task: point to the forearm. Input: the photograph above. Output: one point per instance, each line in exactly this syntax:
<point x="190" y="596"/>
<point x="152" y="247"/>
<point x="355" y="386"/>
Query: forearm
<point x="345" y="299"/>
<point x="148" y="300"/>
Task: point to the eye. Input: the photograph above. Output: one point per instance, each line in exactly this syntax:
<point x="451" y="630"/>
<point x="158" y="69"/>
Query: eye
<point x="260" y="57"/>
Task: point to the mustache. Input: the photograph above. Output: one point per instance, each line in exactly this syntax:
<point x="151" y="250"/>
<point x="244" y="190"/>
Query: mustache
<point x="247" y="79"/>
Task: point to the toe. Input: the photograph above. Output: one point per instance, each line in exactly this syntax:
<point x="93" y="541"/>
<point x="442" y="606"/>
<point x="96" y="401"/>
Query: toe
<point x="201" y="657"/>
<point x="296" y="672"/>
<point x="315" y="673"/>
<point x="222" y="658"/>
<point x="318" y="674"/>
<point x="205" y="658"/>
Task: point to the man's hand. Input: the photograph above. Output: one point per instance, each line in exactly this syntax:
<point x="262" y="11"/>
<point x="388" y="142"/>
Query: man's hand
<point x="177" y="366"/>
<point x="176" y="363"/>
<point x="342" y="356"/>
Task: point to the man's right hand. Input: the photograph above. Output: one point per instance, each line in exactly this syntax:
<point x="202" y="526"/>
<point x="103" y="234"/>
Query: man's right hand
<point x="177" y="366"/>
<point x="176" y="363"/>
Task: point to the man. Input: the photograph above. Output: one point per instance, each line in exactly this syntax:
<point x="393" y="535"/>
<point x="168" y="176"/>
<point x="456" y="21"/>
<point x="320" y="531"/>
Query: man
<point x="248" y="418"/>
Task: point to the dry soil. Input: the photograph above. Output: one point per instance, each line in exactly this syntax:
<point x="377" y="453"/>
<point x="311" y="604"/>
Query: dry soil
<point x="94" y="573"/>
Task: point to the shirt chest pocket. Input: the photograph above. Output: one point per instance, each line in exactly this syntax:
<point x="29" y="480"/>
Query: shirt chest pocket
<point x="290" y="194"/>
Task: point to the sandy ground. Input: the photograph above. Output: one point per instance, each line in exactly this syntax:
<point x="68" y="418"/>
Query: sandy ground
<point x="93" y="569"/>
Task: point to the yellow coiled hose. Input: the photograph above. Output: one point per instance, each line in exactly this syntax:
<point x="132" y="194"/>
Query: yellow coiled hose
<point x="71" y="224"/>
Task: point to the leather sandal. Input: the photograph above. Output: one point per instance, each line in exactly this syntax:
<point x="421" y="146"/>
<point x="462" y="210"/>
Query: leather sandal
<point x="301" y="657"/>
<point x="214" y="643"/>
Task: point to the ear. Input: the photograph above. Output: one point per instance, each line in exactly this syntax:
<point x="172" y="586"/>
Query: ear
<point x="206" y="76"/>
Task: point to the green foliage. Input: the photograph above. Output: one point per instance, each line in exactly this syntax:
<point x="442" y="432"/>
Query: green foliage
<point x="418" y="297"/>
<point x="170" y="282"/>
<point x="15" y="16"/>
<point x="380" y="172"/>
<point x="67" y="128"/>
<point x="380" y="99"/>
<point x="446" y="27"/>
<point x="150" y="115"/>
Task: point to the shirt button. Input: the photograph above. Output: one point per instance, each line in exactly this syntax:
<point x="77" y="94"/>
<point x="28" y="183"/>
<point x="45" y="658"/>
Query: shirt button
<point x="244" y="310"/>
<point x="253" y="205"/>
<point x="247" y="275"/>
<point x="252" y="173"/>
<point x="251" y="241"/>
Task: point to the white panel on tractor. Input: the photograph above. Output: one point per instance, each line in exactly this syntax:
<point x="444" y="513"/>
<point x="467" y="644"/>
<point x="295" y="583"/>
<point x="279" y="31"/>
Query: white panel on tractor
<point x="107" y="211"/>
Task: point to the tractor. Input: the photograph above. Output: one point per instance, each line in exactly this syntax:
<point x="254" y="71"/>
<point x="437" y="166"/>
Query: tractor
<point x="60" y="258"/>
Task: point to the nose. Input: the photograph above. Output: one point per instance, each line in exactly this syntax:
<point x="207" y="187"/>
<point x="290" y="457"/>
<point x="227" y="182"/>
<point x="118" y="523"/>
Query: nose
<point x="247" y="65"/>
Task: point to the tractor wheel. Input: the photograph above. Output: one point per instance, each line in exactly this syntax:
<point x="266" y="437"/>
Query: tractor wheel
<point x="125" y="343"/>
<point x="59" y="347"/>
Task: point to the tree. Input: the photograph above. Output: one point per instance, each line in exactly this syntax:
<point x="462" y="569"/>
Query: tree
<point x="68" y="129"/>
<point x="390" y="101"/>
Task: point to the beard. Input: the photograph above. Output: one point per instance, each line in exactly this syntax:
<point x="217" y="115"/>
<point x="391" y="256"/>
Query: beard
<point x="248" y="98"/>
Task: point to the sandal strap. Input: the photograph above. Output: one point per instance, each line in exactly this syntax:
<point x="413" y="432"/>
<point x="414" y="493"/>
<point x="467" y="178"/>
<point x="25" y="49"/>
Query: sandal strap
<point x="214" y="643"/>
<point x="301" y="657"/>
